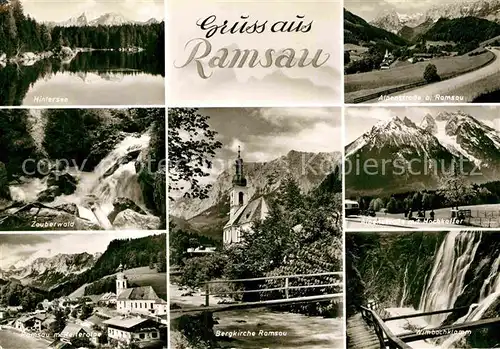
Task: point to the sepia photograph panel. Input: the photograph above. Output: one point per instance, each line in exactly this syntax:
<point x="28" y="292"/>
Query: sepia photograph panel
<point x="254" y="53"/>
<point x="63" y="53"/>
<point x="103" y="290"/>
<point x="423" y="289"/>
<point x="422" y="167"/>
<point x="82" y="169"/>
<point x="255" y="228"/>
<point x="421" y="52"/>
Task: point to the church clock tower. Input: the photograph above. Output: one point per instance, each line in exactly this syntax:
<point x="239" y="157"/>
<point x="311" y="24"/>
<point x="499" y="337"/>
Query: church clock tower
<point x="239" y="193"/>
<point x="121" y="281"/>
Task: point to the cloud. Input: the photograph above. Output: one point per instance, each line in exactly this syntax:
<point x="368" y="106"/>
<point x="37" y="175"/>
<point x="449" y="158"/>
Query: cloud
<point x="235" y="145"/>
<point x="31" y="247"/>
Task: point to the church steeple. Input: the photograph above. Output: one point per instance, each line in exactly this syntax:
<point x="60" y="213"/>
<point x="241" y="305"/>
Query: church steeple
<point x="239" y="175"/>
<point x="239" y="193"/>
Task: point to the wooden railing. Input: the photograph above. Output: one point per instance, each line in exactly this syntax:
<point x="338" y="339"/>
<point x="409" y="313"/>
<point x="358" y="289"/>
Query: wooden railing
<point x="386" y="338"/>
<point x="287" y="287"/>
<point x="407" y="316"/>
<point x="450" y="329"/>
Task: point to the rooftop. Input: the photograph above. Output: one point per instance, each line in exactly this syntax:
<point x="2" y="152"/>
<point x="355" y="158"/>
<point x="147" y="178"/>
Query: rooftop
<point x="139" y="293"/>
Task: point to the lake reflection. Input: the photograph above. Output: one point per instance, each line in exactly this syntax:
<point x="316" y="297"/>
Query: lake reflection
<point x="91" y="78"/>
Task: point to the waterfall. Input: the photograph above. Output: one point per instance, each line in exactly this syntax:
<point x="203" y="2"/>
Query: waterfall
<point x="37" y="127"/>
<point x="113" y="177"/>
<point x="446" y="283"/>
<point x="405" y="288"/>
<point x="28" y="190"/>
<point x="490" y="292"/>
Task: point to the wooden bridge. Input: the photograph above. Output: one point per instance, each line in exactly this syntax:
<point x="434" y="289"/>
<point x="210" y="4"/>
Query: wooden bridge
<point x="367" y="330"/>
<point x="284" y="292"/>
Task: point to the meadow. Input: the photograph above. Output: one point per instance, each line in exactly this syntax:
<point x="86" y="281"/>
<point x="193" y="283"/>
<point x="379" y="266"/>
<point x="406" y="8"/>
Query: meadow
<point x="362" y="84"/>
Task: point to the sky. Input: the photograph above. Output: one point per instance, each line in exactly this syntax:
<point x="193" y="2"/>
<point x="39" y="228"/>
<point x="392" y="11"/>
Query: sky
<point x="61" y="10"/>
<point x="22" y="249"/>
<point x="370" y="9"/>
<point x="361" y="120"/>
<point x="265" y="134"/>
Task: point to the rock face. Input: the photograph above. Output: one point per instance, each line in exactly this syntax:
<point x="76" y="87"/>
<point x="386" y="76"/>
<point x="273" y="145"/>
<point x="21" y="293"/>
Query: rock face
<point x="4" y="182"/>
<point x="122" y="204"/>
<point x="70" y="208"/>
<point x="130" y="220"/>
<point x="58" y="184"/>
<point x="65" y="182"/>
<point x="308" y="169"/>
<point x="48" y="272"/>
<point x="429" y="124"/>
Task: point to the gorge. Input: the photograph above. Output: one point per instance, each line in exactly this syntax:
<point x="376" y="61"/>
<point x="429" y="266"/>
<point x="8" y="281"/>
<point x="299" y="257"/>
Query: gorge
<point x="452" y="270"/>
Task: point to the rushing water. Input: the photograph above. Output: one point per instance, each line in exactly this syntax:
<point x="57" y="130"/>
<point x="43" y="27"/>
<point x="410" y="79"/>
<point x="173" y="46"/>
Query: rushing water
<point x="91" y="78"/>
<point x="115" y="176"/>
<point x="446" y="283"/>
<point x="279" y="330"/>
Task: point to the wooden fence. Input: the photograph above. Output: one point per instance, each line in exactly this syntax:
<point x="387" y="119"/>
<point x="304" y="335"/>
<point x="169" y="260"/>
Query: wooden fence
<point x="286" y="287"/>
<point x="484" y="219"/>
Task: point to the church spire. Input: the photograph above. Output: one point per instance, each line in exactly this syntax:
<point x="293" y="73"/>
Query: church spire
<point x="239" y="176"/>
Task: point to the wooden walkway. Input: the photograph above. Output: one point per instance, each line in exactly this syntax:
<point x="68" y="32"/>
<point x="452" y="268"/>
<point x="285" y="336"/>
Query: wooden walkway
<point x="360" y="335"/>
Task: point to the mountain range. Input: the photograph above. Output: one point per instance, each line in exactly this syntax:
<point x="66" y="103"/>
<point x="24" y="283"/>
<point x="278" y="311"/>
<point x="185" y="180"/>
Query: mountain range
<point x="46" y="273"/>
<point x="209" y="215"/>
<point x="358" y="31"/>
<point x="107" y="19"/>
<point x="394" y="21"/>
<point x="444" y="140"/>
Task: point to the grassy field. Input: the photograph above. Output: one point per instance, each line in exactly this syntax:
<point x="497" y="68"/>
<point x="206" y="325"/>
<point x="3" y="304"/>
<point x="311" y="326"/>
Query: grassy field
<point x="142" y="276"/>
<point x="480" y="87"/>
<point x="366" y="83"/>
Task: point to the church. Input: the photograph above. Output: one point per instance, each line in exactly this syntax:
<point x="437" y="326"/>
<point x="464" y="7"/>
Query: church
<point x="137" y="299"/>
<point x="243" y="212"/>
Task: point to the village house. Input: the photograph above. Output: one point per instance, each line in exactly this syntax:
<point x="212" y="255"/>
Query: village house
<point x="243" y="213"/>
<point x="107" y="299"/>
<point x="25" y="322"/>
<point x="137" y="299"/>
<point x="127" y="330"/>
<point x="46" y="304"/>
<point x="387" y="61"/>
<point x="64" y="302"/>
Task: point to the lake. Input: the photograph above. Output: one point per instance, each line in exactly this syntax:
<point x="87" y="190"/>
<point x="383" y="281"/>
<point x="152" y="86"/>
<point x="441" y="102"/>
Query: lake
<point x="91" y="78"/>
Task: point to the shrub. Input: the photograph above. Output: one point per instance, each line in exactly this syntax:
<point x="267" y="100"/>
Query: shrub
<point x="431" y="73"/>
<point x="200" y="269"/>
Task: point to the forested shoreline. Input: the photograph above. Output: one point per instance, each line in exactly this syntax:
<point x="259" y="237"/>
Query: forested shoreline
<point x="21" y="34"/>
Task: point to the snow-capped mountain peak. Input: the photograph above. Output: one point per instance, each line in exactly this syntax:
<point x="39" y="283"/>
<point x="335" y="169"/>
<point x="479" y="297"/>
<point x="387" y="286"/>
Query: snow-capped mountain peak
<point x="109" y="19"/>
<point x="429" y="124"/>
<point x="393" y="21"/>
<point x="49" y="271"/>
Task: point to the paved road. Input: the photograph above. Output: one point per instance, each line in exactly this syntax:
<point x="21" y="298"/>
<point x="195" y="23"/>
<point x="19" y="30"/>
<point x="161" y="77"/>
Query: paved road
<point x="447" y="87"/>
